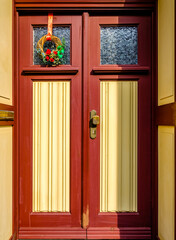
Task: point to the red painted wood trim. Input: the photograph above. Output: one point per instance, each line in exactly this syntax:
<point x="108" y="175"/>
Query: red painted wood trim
<point x="166" y="114"/>
<point x="52" y="233"/>
<point x="6" y="107"/>
<point x="86" y="1"/>
<point x="24" y="4"/>
<point x="48" y="70"/>
<point x="6" y="123"/>
<point x="175" y="178"/>
<point x="13" y="237"/>
<point x="63" y="8"/>
<point x="175" y="115"/>
<point x="15" y="166"/>
<point x="119" y="233"/>
<point x="154" y="127"/>
<point x="121" y="70"/>
<point x="85" y="130"/>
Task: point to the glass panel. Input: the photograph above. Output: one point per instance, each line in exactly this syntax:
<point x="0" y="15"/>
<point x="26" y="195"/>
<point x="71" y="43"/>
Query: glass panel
<point x="51" y="146"/>
<point x="118" y="146"/>
<point x="60" y="32"/>
<point x="119" y="45"/>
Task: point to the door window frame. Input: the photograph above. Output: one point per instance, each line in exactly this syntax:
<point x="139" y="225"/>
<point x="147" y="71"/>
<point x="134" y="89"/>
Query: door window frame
<point x="105" y="8"/>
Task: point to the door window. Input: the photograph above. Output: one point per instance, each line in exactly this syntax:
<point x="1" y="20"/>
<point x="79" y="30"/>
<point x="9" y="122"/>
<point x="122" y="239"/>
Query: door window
<point x="58" y="31"/>
<point x="119" y="45"/>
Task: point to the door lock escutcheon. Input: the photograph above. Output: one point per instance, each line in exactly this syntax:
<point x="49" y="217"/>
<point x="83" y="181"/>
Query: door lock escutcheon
<point x="94" y="121"/>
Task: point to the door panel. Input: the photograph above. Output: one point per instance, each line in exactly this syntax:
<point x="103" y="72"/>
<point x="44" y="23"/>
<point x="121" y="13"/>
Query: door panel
<point x="118" y="146"/>
<point x="120" y="156"/>
<point x="51" y="146"/>
<point x="50" y="135"/>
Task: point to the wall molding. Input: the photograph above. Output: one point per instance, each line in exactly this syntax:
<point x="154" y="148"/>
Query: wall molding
<point x="166" y="114"/>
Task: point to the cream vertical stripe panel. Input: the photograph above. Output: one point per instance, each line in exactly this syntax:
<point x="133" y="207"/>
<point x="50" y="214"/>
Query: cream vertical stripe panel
<point x="6" y="52"/>
<point x="118" y="146"/>
<point x="166" y="182"/>
<point x="166" y="46"/>
<point x="5" y="182"/>
<point x="51" y="146"/>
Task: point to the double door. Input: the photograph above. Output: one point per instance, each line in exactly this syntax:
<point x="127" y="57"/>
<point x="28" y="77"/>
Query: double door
<point x="85" y="129"/>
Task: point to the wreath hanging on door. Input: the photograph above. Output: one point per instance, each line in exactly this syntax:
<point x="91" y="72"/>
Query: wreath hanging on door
<point x="52" y="57"/>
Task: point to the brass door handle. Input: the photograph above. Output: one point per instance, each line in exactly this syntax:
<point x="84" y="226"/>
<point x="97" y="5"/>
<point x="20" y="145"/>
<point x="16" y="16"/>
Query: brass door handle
<point x="94" y="121"/>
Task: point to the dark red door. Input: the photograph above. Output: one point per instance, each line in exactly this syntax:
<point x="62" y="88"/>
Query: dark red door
<point x="73" y="185"/>
<point x="42" y="121"/>
<point x="119" y="158"/>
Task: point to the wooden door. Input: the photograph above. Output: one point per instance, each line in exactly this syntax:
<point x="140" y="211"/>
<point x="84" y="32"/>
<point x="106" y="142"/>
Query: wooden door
<point x="50" y="102"/>
<point x="119" y="163"/>
<point x="73" y="186"/>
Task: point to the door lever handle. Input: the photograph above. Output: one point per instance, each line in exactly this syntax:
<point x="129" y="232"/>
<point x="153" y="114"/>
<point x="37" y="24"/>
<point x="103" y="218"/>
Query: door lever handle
<point x="94" y="121"/>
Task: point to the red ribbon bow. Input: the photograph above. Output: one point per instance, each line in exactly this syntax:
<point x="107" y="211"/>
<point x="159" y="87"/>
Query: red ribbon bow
<point x="50" y="26"/>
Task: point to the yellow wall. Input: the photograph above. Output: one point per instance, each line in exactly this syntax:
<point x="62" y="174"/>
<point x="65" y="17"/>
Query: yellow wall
<point x="5" y="182"/>
<point x="6" y="132"/>
<point x="166" y="135"/>
<point x="6" y="52"/>
<point x="166" y="45"/>
<point x="166" y="177"/>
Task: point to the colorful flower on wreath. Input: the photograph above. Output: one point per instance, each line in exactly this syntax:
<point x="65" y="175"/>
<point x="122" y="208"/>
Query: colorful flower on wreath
<point x="47" y="58"/>
<point x="51" y="59"/>
<point x="48" y="52"/>
<point x="55" y="52"/>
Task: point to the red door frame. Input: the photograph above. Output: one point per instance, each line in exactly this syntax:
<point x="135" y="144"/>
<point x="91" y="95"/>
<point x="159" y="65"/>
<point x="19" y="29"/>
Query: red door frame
<point x="32" y="6"/>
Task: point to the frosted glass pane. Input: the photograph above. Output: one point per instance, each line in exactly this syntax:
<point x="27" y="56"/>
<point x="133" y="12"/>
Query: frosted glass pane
<point x="59" y="32"/>
<point x="119" y="45"/>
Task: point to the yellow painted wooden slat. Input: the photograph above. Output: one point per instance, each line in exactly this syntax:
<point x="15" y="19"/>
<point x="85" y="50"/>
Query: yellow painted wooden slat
<point x="166" y="51"/>
<point x="44" y="148"/>
<point x="51" y="146"/>
<point x="6" y="51"/>
<point x="118" y="146"/>
<point x="6" y="210"/>
<point x="67" y="149"/>
<point x="55" y="155"/>
<point x="166" y="182"/>
<point x="60" y="147"/>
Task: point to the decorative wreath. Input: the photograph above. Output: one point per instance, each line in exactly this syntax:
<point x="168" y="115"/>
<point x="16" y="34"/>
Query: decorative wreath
<point x="51" y="57"/>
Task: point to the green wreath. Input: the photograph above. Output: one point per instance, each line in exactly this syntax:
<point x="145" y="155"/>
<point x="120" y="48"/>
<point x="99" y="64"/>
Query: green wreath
<point x="51" y="57"/>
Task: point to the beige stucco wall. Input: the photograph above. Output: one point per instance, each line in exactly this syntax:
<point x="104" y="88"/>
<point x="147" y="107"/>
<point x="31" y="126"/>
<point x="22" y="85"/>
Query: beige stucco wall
<point x="166" y="134"/>
<point x="166" y="46"/>
<point x="5" y="182"/>
<point x="6" y="51"/>
<point x="6" y="131"/>
<point x="166" y="177"/>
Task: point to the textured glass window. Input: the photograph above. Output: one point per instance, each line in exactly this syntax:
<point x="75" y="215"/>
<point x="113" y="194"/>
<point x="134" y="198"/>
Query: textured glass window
<point x="60" y="32"/>
<point x="119" y="45"/>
